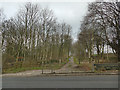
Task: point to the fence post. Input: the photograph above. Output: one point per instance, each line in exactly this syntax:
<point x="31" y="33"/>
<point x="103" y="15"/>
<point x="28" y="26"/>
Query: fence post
<point x="93" y="69"/>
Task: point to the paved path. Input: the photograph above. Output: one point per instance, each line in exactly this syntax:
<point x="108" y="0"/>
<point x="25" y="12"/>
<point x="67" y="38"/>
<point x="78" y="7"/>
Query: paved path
<point x="107" y="81"/>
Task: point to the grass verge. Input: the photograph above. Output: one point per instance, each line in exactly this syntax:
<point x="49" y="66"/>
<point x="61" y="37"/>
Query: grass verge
<point x="47" y="66"/>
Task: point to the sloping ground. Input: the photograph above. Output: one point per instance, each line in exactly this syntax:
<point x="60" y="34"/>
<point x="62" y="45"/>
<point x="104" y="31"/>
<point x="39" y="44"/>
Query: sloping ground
<point x="28" y="73"/>
<point x="68" y="68"/>
<point x="65" y="69"/>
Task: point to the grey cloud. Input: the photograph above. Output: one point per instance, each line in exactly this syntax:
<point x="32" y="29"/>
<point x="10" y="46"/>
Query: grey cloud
<point x="71" y="13"/>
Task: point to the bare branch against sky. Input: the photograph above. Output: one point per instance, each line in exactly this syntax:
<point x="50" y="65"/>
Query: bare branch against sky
<point x="75" y="11"/>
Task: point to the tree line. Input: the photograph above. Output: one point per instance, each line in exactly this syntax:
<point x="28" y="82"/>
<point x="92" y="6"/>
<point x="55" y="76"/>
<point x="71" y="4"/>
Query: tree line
<point x="100" y="28"/>
<point x="35" y="36"/>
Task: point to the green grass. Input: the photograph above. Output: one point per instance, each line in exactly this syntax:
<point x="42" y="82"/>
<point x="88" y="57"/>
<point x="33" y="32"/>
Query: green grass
<point x="47" y="66"/>
<point x="15" y="70"/>
<point x="112" y="58"/>
<point x="75" y="60"/>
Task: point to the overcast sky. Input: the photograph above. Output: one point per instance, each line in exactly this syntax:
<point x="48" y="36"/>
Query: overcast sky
<point x="69" y="12"/>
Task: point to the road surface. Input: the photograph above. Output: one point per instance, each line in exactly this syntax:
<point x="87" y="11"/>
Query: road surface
<point x="95" y="81"/>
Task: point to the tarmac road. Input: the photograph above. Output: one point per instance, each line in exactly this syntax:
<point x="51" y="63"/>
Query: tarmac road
<point x="95" y="81"/>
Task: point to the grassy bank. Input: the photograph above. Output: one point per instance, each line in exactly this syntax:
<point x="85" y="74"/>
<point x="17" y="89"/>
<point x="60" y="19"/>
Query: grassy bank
<point x="83" y="66"/>
<point x="106" y="58"/>
<point x="47" y="66"/>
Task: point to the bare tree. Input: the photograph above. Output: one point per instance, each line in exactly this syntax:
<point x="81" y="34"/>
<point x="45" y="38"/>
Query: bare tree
<point x="106" y="14"/>
<point x="35" y="37"/>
